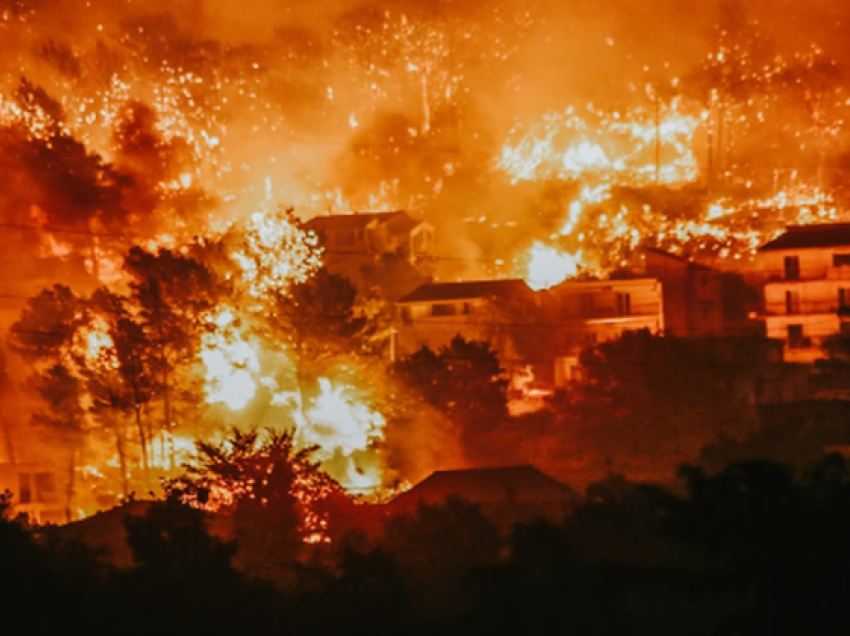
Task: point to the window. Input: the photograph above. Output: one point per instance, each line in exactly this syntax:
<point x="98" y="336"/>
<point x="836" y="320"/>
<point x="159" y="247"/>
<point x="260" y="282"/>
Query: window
<point x="443" y="309"/>
<point x="795" y="337"/>
<point x="792" y="267"/>
<point x="624" y="304"/>
<point x="844" y="300"/>
<point x="45" y="487"/>
<point x="406" y="314"/>
<point x="792" y="302"/>
<point x="840" y="260"/>
<point x="24" y="488"/>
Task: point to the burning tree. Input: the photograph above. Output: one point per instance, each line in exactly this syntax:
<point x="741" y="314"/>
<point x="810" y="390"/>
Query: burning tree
<point x="46" y="335"/>
<point x="173" y="293"/>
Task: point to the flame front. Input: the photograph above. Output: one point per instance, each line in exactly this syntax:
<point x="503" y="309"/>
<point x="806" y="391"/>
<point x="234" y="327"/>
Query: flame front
<point x="549" y="266"/>
<point x="231" y="363"/>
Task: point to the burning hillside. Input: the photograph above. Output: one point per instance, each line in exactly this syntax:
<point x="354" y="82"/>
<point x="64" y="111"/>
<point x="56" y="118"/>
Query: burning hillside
<point x="159" y="294"/>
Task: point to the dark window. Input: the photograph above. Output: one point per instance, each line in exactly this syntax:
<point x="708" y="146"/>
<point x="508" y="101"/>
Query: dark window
<point x="792" y="302"/>
<point x="795" y="336"/>
<point x="840" y="260"/>
<point x="845" y="327"/>
<point x="24" y="488"/>
<point x="792" y="267"/>
<point x="467" y="308"/>
<point x="45" y="487"/>
<point x="843" y="299"/>
<point x="624" y="304"/>
<point x="443" y="309"/>
<point x="406" y="314"/>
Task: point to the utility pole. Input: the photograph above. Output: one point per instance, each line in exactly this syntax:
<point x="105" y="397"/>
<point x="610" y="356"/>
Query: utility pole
<point x="657" y="138"/>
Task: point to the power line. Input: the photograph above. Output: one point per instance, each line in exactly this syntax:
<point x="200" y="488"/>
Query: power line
<point x="59" y="230"/>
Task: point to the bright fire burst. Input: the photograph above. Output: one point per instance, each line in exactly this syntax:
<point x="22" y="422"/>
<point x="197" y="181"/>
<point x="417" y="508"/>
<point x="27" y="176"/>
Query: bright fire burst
<point x="277" y="253"/>
<point x="601" y="147"/>
<point x="549" y="266"/>
<point x="231" y="363"/>
<point x="345" y="430"/>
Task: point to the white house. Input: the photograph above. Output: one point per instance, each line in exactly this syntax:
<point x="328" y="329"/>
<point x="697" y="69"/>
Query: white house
<point x="807" y="288"/>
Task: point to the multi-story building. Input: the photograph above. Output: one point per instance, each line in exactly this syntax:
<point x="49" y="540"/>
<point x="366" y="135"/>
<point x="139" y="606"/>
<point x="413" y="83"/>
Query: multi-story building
<point x="540" y="332"/>
<point x="369" y="235"/>
<point x="434" y="313"/>
<point x="35" y="491"/>
<point x="591" y="312"/>
<point x="699" y="301"/>
<point x="807" y="288"/>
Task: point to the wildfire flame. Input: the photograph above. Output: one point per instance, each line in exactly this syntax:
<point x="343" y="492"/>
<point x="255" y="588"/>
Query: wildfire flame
<point x="231" y="363"/>
<point x="277" y="253"/>
<point x="345" y="430"/>
<point x="606" y="148"/>
<point x="549" y="266"/>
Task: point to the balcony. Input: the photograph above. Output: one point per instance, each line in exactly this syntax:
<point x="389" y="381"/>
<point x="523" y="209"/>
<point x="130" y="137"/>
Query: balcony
<point x="807" y="274"/>
<point x="635" y="310"/>
<point x="806" y="308"/>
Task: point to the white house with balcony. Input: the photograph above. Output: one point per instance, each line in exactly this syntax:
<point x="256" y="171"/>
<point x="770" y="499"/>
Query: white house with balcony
<point x="807" y="288"/>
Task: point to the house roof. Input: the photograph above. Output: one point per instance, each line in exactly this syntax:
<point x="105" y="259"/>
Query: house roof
<point x="508" y="484"/>
<point x="569" y="287"/>
<point x="677" y="258"/>
<point x="431" y="292"/>
<point x="399" y="218"/>
<point x="810" y="236"/>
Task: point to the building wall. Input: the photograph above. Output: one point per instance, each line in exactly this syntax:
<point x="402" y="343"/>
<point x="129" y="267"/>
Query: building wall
<point x="815" y="263"/>
<point x="804" y="305"/>
<point x="435" y="324"/>
<point x="693" y="295"/>
<point x="37" y="490"/>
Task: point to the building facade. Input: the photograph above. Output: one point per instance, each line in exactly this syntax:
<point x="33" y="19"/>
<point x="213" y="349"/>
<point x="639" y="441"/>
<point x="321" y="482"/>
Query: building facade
<point x="591" y="312"/>
<point x="807" y="288"/>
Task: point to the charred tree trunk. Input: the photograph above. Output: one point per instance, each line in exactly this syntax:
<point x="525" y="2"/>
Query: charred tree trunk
<point x="143" y="441"/>
<point x="122" y="457"/>
<point x="69" y="490"/>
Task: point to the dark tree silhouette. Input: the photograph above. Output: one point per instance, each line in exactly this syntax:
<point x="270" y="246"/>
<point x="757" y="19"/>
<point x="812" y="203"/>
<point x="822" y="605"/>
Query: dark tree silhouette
<point x="464" y="381"/>
<point x="173" y="294"/>
<point x="273" y="490"/>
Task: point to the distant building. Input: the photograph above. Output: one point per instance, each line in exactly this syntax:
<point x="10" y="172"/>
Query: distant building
<point x="535" y="334"/>
<point x="807" y="288"/>
<point x="35" y="490"/>
<point x="700" y="301"/>
<point x="369" y="235"/>
<point x="434" y="313"/>
<point x="386" y="250"/>
<point x="506" y="495"/>
<point x="590" y="312"/>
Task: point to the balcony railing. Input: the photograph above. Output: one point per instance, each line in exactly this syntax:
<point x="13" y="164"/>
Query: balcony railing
<point x="804" y="308"/>
<point x="600" y="313"/>
<point x="807" y="274"/>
